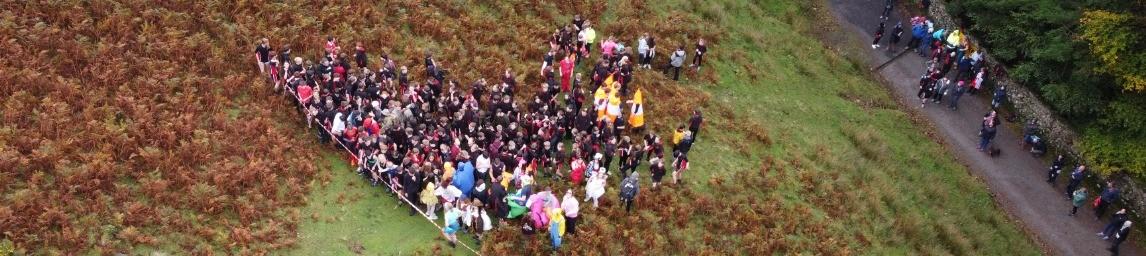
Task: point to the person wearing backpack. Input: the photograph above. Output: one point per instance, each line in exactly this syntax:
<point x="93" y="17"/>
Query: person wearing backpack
<point x="1077" y="200"/>
<point x="1075" y="180"/>
<point x="1108" y="196"/>
<point x="629" y="189"/>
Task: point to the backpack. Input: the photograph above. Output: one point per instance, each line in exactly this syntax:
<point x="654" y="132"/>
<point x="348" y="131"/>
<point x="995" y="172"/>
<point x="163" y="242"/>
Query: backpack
<point x="629" y="189"/>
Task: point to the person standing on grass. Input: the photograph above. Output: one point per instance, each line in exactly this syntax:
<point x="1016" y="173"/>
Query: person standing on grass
<point x="679" y="165"/>
<point x="676" y="61"/>
<point x="629" y="189"/>
<point x="896" y="35"/>
<point x="1116" y="221"/>
<point x="694" y="123"/>
<point x="587" y="36"/>
<point x="430" y="199"/>
<point x="1055" y="169"/>
<point x="657" y="168"/>
<point x="1120" y="236"/>
<point x="642" y="49"/>
<point x="566" y="67"/>
<point x="1109" y="195"/>
<point x="648" y="59"/>
<point x="878" y="35"/>
<point x="701" y="49"/>
<point x="1075" y="180"/>
<point x="595" y="188"/>
<point x="263" y="55"/>
<point x="572" y="208"/>
<point x="452" y="225"/>
<point x="1078" y="198"/>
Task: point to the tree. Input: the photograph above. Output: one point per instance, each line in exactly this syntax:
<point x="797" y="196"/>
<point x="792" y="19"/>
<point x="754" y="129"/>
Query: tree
<point x="1117" y="39"/>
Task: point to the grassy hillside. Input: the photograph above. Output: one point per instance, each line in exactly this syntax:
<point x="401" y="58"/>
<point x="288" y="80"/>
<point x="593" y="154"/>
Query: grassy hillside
<point x="800" y="154"/>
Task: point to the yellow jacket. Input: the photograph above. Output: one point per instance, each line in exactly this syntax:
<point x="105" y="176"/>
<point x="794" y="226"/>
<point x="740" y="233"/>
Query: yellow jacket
<point x="637" y="115"/>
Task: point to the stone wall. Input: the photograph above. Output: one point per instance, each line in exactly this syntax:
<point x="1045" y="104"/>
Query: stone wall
<point x="1028" y="106"/>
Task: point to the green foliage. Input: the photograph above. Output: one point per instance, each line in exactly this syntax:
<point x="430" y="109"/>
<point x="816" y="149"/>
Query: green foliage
<point x="1086" y="61"/>
<point x="1115" y="151"/>
<point x="1117" y="39"/>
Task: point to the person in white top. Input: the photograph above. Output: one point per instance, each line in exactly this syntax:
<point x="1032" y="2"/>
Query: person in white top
<point x="571" y="208"/>
<point x="596" y="186"/>
<point x="339" y="125"/>
<point x="483" y="164"/>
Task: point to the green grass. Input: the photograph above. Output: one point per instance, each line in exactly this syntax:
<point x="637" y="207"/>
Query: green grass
<point x="822" y="110"/>
<point x="349" y="211"/>
<point x="845" y="164"/>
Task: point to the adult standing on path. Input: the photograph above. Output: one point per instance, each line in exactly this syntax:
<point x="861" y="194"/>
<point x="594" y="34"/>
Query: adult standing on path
<point x="1078" y="199"/>
<point x="1055" y="169"/>
<point x="878" y="35"/>
<point x="1120" y="236"/>
<point x="896" y="35"/>
<point x="1109" y="195"/>
<point x="956" y="93"/>
<point x="1116" y="221"/>
<point x="986" y="134"/>
<point x="1075" y="180"/>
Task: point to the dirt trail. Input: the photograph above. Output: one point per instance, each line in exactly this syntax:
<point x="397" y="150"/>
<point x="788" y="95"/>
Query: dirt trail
<point x="1016" y="179"/>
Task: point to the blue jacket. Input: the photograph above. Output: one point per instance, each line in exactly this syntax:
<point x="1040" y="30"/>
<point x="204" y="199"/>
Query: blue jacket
<point x="1076" y="174"/>
<point x="1110" y="195"/>
<point x="918" y="31"/>
<point x="464" y="178"/>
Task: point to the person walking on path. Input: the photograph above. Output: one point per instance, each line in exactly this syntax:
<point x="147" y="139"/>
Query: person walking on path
<point x="878" y="35"/>
<point x="896" y="35"/>
<point x="1055" y="169"/>
<point x="1109" y="195"/>
<point x="956" y="93"/>
<point x="1075" y="180"/>
<point x="887" y="6"/>
<point x="1077" y="201"/>
<point x="1116" y="221"/>
<point x="999" y="97"/>
<point x="1120" y="236"/>
<point x="629" y="189"/>
<point x="676" y="61"/>
<point x="986" y="134"/>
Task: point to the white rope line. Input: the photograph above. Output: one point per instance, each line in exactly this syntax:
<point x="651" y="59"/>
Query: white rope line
<point x="374" y="168"/>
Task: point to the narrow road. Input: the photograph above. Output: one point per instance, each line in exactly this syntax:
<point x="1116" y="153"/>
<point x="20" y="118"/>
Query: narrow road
<point x="1015" y="177"/>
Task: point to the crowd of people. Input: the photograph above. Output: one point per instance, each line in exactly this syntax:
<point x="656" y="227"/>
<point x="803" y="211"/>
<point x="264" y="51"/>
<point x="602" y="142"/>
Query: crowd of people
<point x="948" y="51"/>
<point x="477" y="157"/>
